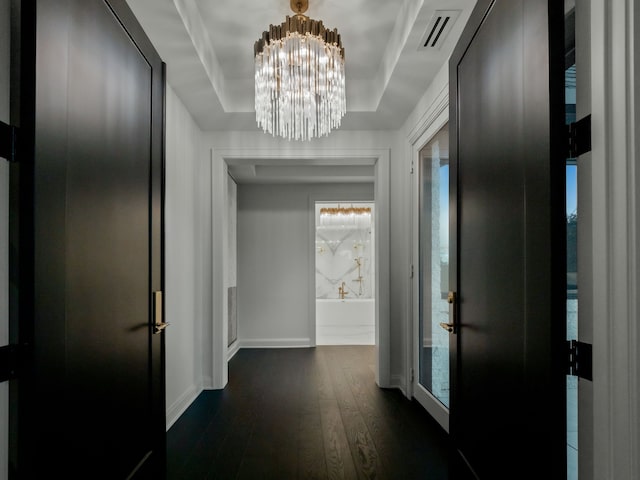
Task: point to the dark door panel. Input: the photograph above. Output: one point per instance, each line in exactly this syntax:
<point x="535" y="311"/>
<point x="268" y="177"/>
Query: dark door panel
<point x="91" y="402"/>
<point x="107" y="244"/>
<point x="507" y="179"/>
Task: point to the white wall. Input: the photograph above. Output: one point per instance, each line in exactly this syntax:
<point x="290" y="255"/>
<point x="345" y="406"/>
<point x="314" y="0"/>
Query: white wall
<point x="275" y="242"/>
<point x="186" y="233"/>
<point x="4" y="232"/>
<point x="613" y="240"/>
<point x="428" y="107"/>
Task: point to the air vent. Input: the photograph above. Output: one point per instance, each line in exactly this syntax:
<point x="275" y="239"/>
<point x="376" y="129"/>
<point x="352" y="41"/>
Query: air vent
<point x="439" y="27"/>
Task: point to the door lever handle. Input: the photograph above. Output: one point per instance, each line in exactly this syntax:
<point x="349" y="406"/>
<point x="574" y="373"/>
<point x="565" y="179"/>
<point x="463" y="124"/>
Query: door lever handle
<point x="158" y="327"/>
<point x="447" y="326"/>
<point x="158" y="324"/>
<point x="453" y="326"/>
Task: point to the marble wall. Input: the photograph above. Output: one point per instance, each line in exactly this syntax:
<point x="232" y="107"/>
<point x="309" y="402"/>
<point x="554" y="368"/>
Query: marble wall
<point x="345" y="254"/>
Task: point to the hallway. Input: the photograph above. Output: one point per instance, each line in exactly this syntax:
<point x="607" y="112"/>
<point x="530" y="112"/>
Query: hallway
<point x="305" y="413"/>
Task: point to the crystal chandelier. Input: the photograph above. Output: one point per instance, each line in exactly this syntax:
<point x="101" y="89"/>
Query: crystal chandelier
<point x="299" y="75"/>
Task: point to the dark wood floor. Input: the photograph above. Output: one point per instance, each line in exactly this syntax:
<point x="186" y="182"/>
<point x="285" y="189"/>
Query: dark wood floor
<point x="306" y="413"/>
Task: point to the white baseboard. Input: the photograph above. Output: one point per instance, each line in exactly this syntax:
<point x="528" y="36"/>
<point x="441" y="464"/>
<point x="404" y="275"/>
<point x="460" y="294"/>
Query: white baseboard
<point x="275" y="343"/>
<point x="398" y="381"/>
<point x="181" y="404"/>
<point x="207" y="383"/>
<point x="233" y="349"/>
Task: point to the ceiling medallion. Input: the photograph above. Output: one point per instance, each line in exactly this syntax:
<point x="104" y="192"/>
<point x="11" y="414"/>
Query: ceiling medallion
<point x="299" y="77"/>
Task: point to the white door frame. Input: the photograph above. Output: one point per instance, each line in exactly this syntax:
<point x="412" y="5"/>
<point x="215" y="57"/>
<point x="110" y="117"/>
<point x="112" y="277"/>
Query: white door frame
<point x="381" y="159"/>
<point x="438" y="118"/>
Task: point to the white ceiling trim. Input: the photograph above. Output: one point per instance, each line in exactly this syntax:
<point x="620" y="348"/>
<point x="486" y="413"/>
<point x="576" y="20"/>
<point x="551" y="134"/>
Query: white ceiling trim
<point x="405" y="21"/>
<point x="381" y="100"/>
<point x="192" y="21"/>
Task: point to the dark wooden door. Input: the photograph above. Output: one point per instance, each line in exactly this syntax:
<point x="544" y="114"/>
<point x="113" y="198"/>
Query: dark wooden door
<point x="86" y="239"/>
<point x="508" y="224"/>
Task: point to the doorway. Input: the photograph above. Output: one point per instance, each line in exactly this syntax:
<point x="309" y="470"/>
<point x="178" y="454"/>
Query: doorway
<point x="344" y="273"/>
<point x="259" y="166"/>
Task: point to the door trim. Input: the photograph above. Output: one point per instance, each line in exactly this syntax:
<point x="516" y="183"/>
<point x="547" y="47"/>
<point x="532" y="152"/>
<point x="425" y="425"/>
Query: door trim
<point x="382" y="158"/>
<point x="436" y="120"/>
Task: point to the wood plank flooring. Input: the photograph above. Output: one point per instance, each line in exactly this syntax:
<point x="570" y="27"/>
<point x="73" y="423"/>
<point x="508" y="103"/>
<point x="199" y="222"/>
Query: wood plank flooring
<point x="306" y="414"/>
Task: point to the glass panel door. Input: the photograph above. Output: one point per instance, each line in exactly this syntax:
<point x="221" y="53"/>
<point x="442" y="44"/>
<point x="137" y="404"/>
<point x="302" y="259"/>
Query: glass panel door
<point x="572" y="240"/>
<point x="433" y="349"/>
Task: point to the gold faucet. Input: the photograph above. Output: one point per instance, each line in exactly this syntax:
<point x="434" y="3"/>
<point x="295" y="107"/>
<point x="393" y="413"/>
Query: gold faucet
<point x="342" y="291"/>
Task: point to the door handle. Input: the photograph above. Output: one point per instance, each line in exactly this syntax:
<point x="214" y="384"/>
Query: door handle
<point x="453" y="326"/>
<point x="158" y="327"/>
<point x="158" y="324"/>
<point x="447" y="326"/>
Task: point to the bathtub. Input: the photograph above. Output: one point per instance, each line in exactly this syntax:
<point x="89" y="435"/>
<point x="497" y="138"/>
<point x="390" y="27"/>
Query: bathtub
<point x="345" y="322"/>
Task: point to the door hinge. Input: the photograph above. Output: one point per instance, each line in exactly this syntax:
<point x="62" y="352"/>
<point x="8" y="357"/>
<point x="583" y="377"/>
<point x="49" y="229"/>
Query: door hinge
<point x="579" y="137"/>
<point x="8" y="142"/>
<point x="411" y="271"/>
<point x="11" y="361"/>
<point x="579" y="357"/>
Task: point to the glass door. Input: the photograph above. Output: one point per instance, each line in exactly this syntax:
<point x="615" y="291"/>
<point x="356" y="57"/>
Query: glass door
<point x="572" y="239"/>
<point x="432" y="371"/>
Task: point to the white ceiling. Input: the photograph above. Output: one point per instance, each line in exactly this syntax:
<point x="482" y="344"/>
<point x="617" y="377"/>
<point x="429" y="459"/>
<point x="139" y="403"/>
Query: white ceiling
<point x="208" y="48"/>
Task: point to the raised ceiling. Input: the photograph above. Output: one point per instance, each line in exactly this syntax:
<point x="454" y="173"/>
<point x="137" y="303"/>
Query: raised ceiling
<point x="309" y="170"/>
<point x="208" y="48"/>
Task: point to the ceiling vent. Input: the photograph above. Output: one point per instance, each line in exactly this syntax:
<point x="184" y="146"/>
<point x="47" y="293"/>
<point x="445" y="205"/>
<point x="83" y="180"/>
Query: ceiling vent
<point x="439" y="27"/>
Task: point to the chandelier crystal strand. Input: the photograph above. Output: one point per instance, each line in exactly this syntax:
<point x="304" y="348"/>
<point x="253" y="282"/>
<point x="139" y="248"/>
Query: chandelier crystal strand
<point x="299" y="75"/>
